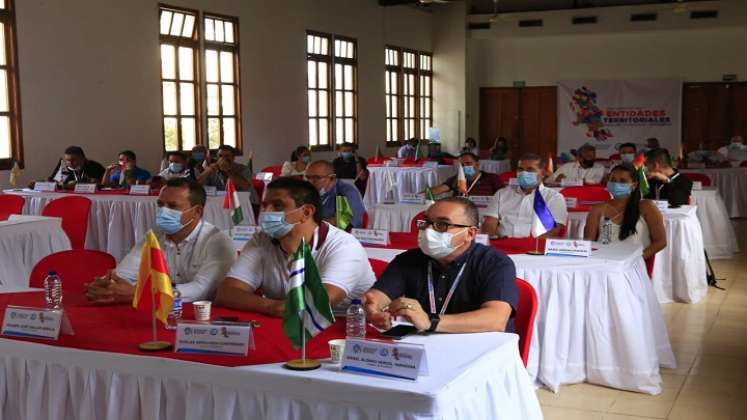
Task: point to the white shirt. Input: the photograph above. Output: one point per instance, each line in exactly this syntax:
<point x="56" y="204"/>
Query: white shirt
<point x="574" y="171"/>
<point x="289" y="169"/>
<point x="341" y="260"/>
<point x="196" y="264"/>
<point x="514" y="210"/>
<point x="405" y="151"/>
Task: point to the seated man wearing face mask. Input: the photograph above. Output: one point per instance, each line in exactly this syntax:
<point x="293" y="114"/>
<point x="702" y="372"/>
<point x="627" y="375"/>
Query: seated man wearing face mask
<point x="449" y="283"/>
<point x="321" y="177"/>
<point x="479" y="183"/>
<point x="627" y="153"/>
<point x="290" y="213"/>
<point x="345" y="165"/>
<point x="585" y="169"/>
<point x="197" y="253"/>
<point x="177" y="168"/>
<point x="74" y="168"/>
<point x="511" y="211"/>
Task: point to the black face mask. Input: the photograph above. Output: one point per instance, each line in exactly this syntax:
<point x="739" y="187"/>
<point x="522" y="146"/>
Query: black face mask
<point x="587" y="163"/>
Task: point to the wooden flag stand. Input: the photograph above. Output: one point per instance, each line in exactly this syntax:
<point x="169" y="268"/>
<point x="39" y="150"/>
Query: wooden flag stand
<point x="536" y="248"/>
<point x="303" y="363"/>
<point x="155" y="344"/>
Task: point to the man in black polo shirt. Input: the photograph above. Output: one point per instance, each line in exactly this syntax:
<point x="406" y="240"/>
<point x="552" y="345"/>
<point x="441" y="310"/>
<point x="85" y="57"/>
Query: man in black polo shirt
<point x="665" y="182"/>
<point x="450" y="283"/>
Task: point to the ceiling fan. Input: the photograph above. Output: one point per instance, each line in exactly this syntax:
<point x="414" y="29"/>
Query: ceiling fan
<point x="683" y="6"/>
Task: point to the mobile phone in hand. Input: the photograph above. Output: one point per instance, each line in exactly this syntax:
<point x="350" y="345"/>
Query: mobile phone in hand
<point x="400" y="331"/>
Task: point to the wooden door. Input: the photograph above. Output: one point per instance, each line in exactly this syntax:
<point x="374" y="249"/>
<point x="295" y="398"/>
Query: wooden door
<point x="712" y="113"/>
<point x="539" y="122"/>
<point x="739" y="110"/>
<point x="499" y="116"/>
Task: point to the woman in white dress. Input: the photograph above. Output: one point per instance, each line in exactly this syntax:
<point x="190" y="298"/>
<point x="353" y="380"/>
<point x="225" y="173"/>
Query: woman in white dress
<point x="300" y="159"/>
<point x="631" y="219"/>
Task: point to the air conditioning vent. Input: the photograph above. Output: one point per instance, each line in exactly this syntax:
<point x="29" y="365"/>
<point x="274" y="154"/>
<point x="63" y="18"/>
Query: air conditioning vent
<point x="479" y="25"/>
<point x="704" y="14"/>
<point x="643" y="17"/>
<point x="584" y="20"/>
<point x="530" y="23"/>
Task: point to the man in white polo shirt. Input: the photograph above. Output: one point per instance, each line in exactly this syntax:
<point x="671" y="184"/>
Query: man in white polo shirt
<point x="197" y="253"/>
<point x="512" y="208"/>
<point x="586" y="169"/>
<point x="290" y="213"/>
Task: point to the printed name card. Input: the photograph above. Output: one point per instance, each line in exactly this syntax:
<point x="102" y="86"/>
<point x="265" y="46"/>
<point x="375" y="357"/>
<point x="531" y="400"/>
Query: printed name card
<point x="392" y="162"/>
<point x="140" y="190"/>
<point x="697" y="185"/>
<point x="482" y="238"/>
<point x="481" y="200"/>
<point x="216" y="338"/>
<point x="430" y="164"/>
<point x="569" y="247"/>
<point x="264" y="176"/>
<point x="371" y="236"/>
<point x="412" y="198"/>
<point x="45" y="186"/>
<point x="394" y="360"/>
<point x="571" y="202"/>
<point x="85" y="188"/>
<point x="662" y="205"/>
<point x="571" y="182"/>
<point x="42" y="323"/>
<point x="211" y="191"/>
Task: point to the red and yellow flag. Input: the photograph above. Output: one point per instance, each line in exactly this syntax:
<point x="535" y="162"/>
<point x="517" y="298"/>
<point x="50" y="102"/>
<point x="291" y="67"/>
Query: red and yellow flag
<point x="153" y="277"/>
<point x="550" y="164"/>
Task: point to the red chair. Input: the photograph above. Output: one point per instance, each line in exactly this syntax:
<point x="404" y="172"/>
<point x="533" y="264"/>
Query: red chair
<point x="378" y="266"/>
<point x="615" y="156"/>
<point x="586" y="196"/>
<point x="364" y="224"/>
<point x="505" y="177"/>
<point x="650" y="261"/>
<point x="743" y="164"/>
<point x="259" y="187"/>
<point x="703" y="178"/>
<point x="414" y="222"/>
<point x="11" y="204"/>
<point x="275" y="169"/>
<point x="524" y="319"/>
<point x="448" y="161"/>
<point x="75" y="267"/>
<point x="74" y="211"/>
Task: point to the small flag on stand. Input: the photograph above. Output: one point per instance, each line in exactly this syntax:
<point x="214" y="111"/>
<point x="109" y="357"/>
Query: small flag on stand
<point x="250" y="164"/>
<point x="550" y="164"/>
<point x="344" y="213"/>
<point x="429" y="194"/>
<point x="153" y="279"/>
<point x="231" y="202"/>
<point x="640" y="165"/>
<point x="418" y="152"/>
<point x="15" y="174"/>
<point x="379" y="157"/>
<point x="461" y="179"/>
<point x="542" y="220"/>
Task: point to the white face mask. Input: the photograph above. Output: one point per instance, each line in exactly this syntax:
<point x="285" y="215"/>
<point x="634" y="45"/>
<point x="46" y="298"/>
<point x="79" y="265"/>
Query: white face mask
<point x="437" y="244"/>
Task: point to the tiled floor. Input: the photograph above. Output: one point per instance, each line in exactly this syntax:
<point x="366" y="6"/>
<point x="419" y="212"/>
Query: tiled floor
<point x="710" y="342"/>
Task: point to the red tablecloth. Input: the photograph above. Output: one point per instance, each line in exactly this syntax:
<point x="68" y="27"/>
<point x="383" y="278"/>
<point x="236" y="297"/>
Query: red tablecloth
<point x="409" y="240"/>
<point x="120" y="328"/>
<point x="153" y="192"/>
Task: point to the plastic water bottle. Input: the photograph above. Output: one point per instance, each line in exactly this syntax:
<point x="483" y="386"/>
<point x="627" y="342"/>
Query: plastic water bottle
<point x="53" y="290"/>
<point x="176" y="311"/>
<point x="605" y="231"/>
<point x="355" y="323"/>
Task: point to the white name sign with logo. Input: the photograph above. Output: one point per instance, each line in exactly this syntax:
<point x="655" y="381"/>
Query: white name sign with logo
<point x="45" y="186"/>
<point x="395" y="360"/>
<point x="697" y="185"/>
<point x="662" y="205"/>
<point x="241" y="234"/>
<point x="35" y="323"/>
<point x="482" y="238"/>
<point x="140" y="190"/>
<point x="430" y="164"/>
<point x="481" y="200"/>
<point x="569" y="247"/>
<point x="571" y="202"/>
<point x="412" y="198"/>
<point x="571" y="182"/>
<point x="392" y="162"/>
<point x="211" y="191"/>
<point x="264" y="176"/>
<point x="371" y="236"/>
<point x="217" y="338"/>
<point x="85" y="188"/>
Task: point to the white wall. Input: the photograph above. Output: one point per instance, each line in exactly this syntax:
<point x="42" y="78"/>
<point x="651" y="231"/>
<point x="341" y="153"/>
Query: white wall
<point x="90" y="73"/>
<point x="673" y="47"/>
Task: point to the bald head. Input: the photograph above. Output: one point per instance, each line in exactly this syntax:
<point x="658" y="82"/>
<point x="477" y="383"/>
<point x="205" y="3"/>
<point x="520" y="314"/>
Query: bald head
<point x="321" y="174"/>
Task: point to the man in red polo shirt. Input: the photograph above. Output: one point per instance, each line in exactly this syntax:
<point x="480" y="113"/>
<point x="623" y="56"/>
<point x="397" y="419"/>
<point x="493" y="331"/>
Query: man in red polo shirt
<point x="479" y="183"/>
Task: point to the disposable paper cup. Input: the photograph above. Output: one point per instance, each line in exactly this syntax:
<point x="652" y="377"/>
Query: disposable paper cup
<point x="202" y="310"/>
<point x="336" y="348"/>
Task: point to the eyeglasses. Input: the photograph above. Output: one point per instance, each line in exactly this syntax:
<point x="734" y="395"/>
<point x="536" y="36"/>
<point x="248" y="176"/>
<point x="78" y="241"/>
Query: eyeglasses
<point x="438" y="226"/>
<point x="316" y="177"/>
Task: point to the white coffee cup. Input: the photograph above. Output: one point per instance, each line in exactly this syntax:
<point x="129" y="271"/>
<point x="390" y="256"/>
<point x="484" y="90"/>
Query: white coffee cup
<point x="202" y="310"/>
<point x="336" y="349"/>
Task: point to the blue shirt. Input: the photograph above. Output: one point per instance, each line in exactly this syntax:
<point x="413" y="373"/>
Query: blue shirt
<point x="139" y="174"/>
<point x="488" y="275"/>
<point x="329" y="202"/>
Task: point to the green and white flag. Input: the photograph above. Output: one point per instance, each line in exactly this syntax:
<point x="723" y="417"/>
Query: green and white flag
<point x="344" y="213"/>
<point x="307" y="307"/>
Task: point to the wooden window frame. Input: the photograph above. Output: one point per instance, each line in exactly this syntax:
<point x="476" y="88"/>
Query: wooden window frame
<point x="194" y="44"/>
<point x="8" y="18"/>
<point x="395" y="99"/>
<point x="233" y="48"/>
<point x="420" y="123"/>
<point x="344" y="61"/>
<point x="424" y="122"/>
<point x="410" y="113"/>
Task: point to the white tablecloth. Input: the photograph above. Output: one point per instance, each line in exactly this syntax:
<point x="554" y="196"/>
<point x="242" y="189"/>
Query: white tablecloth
<point x="117" y="222"/>
<point x="598" y="319"/>
<point x="732" y="184"/>
<point x="719" y="237"/>
<point x="24" y="240"/>
<point x="407" y="179"/>
<point x="472" y="376"/>
<point x="495" y="166"/>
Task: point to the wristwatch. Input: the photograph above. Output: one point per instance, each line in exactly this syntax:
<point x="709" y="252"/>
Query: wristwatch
<point x="435" y="319"/>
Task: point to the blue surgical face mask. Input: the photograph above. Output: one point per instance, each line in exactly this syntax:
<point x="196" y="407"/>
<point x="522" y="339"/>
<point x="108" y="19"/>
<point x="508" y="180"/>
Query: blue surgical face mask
<point x="627" y="157"/>
<point x="736" y="146"/>
<point x="273" y="223"/>
<point x="175" y="167"/>
<point x="618" y="189"/>
<point x="469" y="171"/>
<point x="527" y="179"/>
<point x="306" y="158"/>
<point x="198" y="156"/>
<point x="169" y="221"/>
<point x="346" y="155"/>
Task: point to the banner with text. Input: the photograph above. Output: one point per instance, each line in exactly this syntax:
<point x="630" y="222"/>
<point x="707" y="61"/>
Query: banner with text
<point x="606" y="113"/>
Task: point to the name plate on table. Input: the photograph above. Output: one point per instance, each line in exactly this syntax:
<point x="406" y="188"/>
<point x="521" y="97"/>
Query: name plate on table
<point x="572" y="182"/>
<point x="569" y="247"/>
<point x="45" y="186"/>
<point x="218" y="338"/>
<point x="211" y="191"/>
<point x="412" y="198"/>
<point x="371" y="236"/>
<point x="697" y="185"/>
<point x="85" y="188"/>
<point x="395" y="360"/>
<point x="391" y="162"/>
<point x="140" y="190"/>
<point x="571" y="202"/>
<point x="481" y="200"/>
<point x="42" y="323"/>
<point x="513" y="182"/>
<point x="482" y="238"/>
<point x="430" y="164"/>
<point x="264" y="176"/>
<point x="662" y="205"/>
